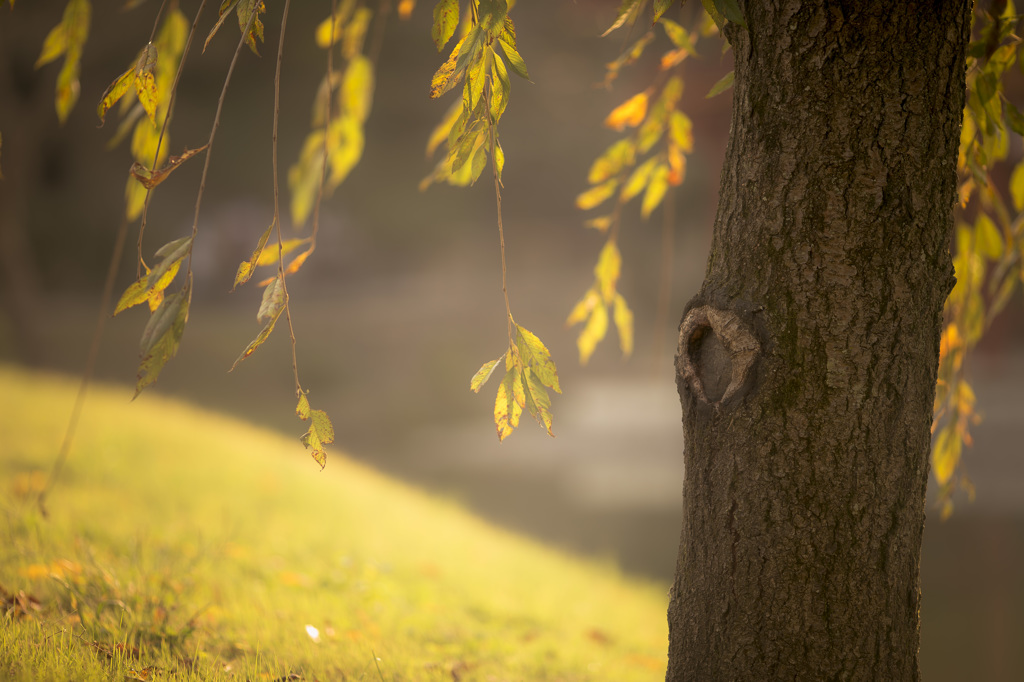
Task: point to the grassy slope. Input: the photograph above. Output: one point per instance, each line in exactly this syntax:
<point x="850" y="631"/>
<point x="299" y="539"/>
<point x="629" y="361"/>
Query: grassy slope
<point x="168" y="518"/>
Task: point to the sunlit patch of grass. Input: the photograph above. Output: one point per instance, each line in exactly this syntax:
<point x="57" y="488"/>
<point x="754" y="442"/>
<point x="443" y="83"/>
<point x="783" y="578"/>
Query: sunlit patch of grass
<point x="184" y="545"/>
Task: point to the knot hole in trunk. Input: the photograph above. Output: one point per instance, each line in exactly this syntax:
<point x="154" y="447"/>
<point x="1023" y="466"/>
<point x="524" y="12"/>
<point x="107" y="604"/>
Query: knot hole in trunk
<point x="716" y="352"/>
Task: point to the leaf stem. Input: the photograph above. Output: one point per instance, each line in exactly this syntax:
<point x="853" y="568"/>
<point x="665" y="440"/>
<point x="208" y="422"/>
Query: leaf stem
<point x="492" y="131"/>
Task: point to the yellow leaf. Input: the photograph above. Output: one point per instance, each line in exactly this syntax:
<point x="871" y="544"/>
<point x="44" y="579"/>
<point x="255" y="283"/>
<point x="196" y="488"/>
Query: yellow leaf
<point x="246" y="268"/>
<point x="270" y="256"/>
<point x="628" y="114"/>
<point x="583" y="307"/>
<point x="593" y="332"/>
<point x="446" y="20"/>
<point x="357" y="88"/>
<point x="302" y="409"/>
<point x="506" y="408"/>
<point x="538" y="403"/>
<point x="656" y="189"/>
<point x="601" y="223"/>
<point x="987" y="239"/>
<point x="145" y="81"/>
<point x="681" y="130"/>
<point x="440" y="133"/>
<point x="1017" y="186"/>
<point x="135" y="294"/>
<point x="297" y="262"/>
<point x="483" y="374"/>
<point x="612" y="161"/>
<point x="597" y="195"/>
<point x="304" y="177"/>
<point x="355" y="33"/>
<point x="623" y="318"/>
<point x="114" y="92"/>
<point x="537" y="358"/>
<point x="638" y="180"/>
<point x="607" y="270"/>
<point x="676" y="165"/>
<point x="345" y="142"/>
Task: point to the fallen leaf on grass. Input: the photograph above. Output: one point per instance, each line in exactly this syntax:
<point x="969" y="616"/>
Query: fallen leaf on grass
<point x="20" y="604"/>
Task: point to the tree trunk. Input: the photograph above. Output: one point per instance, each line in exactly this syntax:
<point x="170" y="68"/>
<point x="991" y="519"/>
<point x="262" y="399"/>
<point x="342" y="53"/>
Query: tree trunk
<point x="807" y="362"/>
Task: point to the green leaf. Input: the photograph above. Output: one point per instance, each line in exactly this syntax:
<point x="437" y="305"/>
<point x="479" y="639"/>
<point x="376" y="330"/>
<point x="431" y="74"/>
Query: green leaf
<point x="730" y="9"/>
<point x="271" y="307"/>
<point x="1014" y="118"/>
<point x="660" y="7"/>
<point x="484" y="374"/>
<point x="501" y="87"/>
<point x="515" y="61"/>
<point x="537" y="358"/>
<point x="724" y="83"/>
<point x="225" y="12"/>
<point x="446" y="20"/>
<point x="710" y="6"/>
<point x="492" y="13"/>
<point x="248" y="13"/>
<point x="625" y="12"/>
<point x="161" y="338"/>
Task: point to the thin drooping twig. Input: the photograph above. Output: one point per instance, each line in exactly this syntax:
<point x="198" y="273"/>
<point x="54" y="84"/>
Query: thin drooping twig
<point x="163" y="127"/>
<point x="493" y="133"/>
<point x="108" y="287"/>
<point x="156" y="22"/>
<point x="90" y="366"/>
<point x="213" y="134"/>
<point x="277" y="204"/>
<point x="327" y="127"/>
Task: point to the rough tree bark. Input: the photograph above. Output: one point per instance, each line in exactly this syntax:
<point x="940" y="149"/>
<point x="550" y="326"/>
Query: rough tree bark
<point x="807" y="362"/>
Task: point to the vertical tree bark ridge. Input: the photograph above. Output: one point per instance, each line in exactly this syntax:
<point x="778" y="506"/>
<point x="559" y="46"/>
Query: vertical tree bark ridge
<point x="804" y="496"/>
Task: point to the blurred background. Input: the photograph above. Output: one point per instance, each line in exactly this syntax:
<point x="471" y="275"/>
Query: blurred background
<point x="401" y="303"/>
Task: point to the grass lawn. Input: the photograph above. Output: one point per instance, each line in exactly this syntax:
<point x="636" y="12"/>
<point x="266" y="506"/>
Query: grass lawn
<point x="185" y="545"/>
